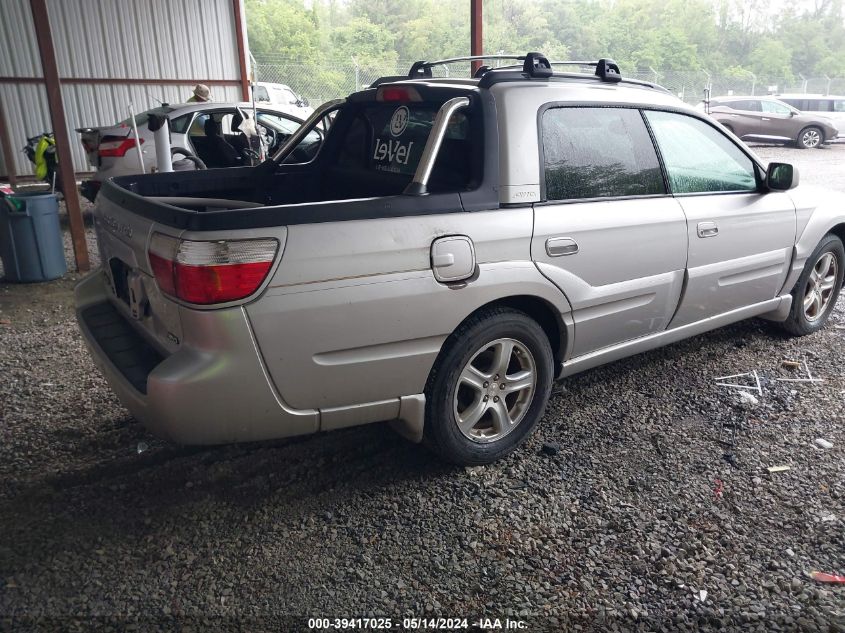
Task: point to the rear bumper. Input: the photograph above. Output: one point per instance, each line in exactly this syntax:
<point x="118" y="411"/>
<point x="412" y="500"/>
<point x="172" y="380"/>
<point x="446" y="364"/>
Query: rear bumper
<point x="213" y="390"/>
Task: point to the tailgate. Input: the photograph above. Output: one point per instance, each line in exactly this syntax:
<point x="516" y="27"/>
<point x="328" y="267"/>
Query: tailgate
<point x="123" y="238"/>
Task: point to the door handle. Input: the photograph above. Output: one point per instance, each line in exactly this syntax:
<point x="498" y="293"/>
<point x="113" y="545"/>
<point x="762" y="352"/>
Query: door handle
<point x="559" y="246"/>
<point x="707" y="229"/>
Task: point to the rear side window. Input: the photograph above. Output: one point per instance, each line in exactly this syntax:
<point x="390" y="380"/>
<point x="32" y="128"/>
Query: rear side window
<point x="699" y="158"/>
<point x="746" y="105"/>
<point x="598" y="153"/>
<point x="839" y="105"/>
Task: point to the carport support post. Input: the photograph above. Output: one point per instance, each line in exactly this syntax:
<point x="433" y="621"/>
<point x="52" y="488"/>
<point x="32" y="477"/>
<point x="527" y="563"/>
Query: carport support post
<point x="67" y="177"/>
<point x="476" y="36"/>
<point x="6" y="148"/>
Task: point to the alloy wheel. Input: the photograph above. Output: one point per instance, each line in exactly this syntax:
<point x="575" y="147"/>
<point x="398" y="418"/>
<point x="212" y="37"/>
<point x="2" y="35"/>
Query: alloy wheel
<point x="811" y="138"/>
<point x="495" y="390"/>
<point x="820" y="286"/>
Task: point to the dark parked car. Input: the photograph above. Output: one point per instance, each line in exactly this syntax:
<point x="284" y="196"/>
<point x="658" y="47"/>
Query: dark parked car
<point x="771" y="120"/>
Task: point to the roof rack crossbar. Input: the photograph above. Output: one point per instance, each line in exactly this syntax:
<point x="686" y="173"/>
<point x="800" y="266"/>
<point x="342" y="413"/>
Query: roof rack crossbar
<point x="535" y="64"/>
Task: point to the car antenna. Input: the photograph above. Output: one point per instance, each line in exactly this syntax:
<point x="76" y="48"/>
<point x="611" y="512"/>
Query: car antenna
<point x="163" y="104"/>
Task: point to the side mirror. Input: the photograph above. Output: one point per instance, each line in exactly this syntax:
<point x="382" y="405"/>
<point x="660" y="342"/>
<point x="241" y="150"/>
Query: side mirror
<point x="781" y="176"/>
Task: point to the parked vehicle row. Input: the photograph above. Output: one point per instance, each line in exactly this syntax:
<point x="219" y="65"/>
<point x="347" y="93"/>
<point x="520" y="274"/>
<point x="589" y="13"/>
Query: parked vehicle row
<point x="771" y="120"/>
<point x="451" y="248"/>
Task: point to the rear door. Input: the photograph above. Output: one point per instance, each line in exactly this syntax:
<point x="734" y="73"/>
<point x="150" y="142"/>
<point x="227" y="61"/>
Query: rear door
<point x="741" y="116"/>
<point x="778" y="121"/>
<point x="608" y="234"/>
<point x="740" y="238"/>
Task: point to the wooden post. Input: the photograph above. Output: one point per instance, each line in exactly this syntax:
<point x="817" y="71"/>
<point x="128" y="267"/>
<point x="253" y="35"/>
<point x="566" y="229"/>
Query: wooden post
<point x="476" y="36"/>
<point x="67" y="176"/>
<point x="6" y="148"/>
<point x="240" y="34"/>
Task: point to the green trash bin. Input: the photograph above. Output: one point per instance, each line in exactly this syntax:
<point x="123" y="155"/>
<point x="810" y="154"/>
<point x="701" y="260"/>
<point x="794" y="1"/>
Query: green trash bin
<point x="30" y="237"/>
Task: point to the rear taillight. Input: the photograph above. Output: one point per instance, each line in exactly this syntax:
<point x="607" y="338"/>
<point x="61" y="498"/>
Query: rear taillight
<point x="210" y="272"/>
<point x="116" y="145"/>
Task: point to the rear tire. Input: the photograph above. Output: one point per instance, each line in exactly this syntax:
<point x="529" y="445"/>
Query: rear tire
<point x="810" y="137"/>
<point x="817" y="289"/>
<point x="488" y="388"/>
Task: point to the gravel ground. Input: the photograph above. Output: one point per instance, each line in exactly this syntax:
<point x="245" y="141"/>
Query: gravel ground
<point x="643" y="502"/>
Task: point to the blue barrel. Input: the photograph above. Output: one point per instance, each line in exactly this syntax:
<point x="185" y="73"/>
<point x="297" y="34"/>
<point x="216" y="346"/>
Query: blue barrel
<point x="30" y="237"/>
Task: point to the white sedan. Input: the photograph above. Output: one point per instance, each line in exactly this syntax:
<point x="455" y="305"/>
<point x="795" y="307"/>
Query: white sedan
<point x="201" y="135"/>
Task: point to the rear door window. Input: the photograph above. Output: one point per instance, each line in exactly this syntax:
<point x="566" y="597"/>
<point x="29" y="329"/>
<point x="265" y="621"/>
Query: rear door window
<point x="745" y="105"/>
<point x="598" y="153"/>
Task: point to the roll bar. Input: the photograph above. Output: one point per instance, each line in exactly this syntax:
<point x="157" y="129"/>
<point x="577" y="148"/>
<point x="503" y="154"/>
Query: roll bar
<point x="419" y="185"/>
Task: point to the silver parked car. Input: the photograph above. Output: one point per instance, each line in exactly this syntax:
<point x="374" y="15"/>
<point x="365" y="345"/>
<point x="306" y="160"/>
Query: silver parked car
<point x="455" y="246"/>
<point x="202" y="135"/>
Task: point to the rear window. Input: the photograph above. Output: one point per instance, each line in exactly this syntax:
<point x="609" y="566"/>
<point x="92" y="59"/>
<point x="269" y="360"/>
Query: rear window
<point x="390" y="138"/>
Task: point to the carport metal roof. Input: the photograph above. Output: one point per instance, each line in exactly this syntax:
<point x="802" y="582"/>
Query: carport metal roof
<point x="52" y="81"/>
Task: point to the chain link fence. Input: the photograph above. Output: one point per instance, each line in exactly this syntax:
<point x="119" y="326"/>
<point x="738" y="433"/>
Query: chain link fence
<point x="319" y="83"/>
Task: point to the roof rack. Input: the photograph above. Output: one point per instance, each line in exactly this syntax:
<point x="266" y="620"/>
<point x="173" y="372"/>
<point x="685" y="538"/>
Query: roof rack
<point x="423" y="68"/>
<point x="534" y="64"/>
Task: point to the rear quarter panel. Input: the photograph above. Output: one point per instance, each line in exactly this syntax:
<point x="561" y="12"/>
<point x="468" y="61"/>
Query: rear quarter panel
<point x="354" y="314"/>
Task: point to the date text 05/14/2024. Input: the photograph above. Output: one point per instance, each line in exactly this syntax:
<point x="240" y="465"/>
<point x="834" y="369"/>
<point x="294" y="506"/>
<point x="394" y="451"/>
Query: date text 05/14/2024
<point x="417" y="624"/>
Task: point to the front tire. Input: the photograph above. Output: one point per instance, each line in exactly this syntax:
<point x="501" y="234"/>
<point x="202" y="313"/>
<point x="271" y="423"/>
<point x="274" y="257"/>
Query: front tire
<point x="817" y="289"/>
<point x="809" y="138"/>
<point x="489" y="387"/>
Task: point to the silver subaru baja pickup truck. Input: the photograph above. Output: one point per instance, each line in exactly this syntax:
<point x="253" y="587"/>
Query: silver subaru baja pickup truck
<point x="454" y="247"/>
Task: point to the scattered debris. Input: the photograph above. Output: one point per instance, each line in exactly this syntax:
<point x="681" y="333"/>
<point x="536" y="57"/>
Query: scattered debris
<point x="809" y="377"/>
<point x="731" y="459"/>
<point x="720" y="488"/>
<point x="746" y="398"/>
<point x="142" y="446"/>
<point x="5" y="322"/>
<point x="829" y="518"/>
<point x="702" y="595"/>
<point x="823" y="443"/>
<point x="791" y="364"/>
<point x="550" y="448"/>
<point x="732" y="385"/>
<point x="820" y="576"/>
<point x="789" y="552"/>
<point x="777" y="469"/>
